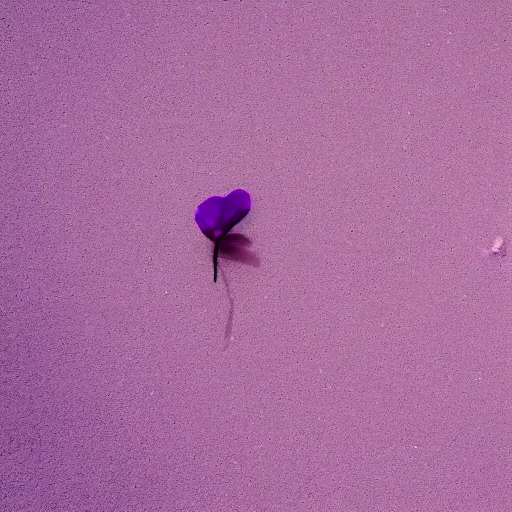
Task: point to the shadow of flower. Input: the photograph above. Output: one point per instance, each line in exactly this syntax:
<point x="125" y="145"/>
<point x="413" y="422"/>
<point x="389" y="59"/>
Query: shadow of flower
<point x="233" y="246"/>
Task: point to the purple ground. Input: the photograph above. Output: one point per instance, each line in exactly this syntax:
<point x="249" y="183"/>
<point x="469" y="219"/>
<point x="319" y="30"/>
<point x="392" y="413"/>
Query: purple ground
<point x="361" y="360"/>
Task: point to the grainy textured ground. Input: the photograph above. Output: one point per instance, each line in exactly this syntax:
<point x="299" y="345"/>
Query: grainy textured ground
<point x="361" y="358"/>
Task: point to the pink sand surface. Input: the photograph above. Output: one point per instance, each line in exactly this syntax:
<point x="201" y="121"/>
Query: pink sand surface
<point x="359" y="360"/>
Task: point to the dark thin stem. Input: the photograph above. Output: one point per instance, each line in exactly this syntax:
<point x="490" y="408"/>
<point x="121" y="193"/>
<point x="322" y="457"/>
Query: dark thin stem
<point x="215" y="258"/>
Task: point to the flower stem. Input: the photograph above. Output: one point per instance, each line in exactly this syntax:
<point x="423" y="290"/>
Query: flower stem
<point x="215" y="258"/>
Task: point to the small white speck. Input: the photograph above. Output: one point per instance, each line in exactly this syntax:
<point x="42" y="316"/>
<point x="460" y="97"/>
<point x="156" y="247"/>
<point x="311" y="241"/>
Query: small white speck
<point x="498" y="248"/>
<point x="166" y="292"/>
<point x="498" y="244"/>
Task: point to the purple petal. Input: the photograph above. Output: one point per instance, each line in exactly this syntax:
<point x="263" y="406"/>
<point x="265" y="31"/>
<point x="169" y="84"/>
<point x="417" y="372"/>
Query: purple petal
<point x="207" y="217"/>
<point x="217" y="215"/>
<point x="236" y="206"/>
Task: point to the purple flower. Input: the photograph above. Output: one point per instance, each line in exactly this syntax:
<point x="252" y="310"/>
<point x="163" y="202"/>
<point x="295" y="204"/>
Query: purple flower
<point x="217" y="215"/>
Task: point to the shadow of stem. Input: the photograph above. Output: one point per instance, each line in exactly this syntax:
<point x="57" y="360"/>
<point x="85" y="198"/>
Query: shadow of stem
<point x="229" y="324"/>
<point x="233" y="246"/>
